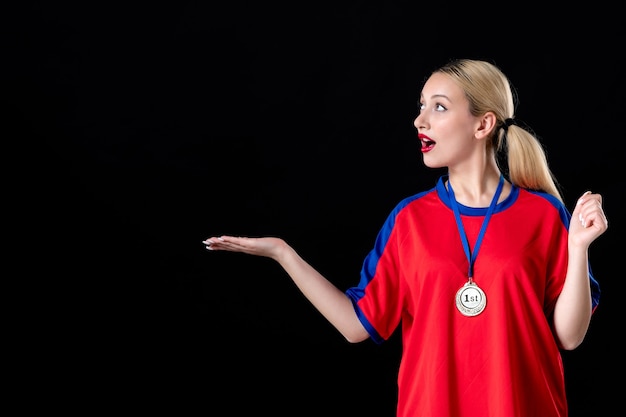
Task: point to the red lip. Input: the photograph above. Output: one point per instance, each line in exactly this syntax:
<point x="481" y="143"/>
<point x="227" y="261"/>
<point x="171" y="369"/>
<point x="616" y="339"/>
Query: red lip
<point x="427" y="143"/>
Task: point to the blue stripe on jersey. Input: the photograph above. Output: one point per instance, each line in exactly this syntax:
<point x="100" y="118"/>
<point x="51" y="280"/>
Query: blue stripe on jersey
<point x="371" y="261"/>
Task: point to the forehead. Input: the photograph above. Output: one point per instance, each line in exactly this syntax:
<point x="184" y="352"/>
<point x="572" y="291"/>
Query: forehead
<point x="441" y="85"/>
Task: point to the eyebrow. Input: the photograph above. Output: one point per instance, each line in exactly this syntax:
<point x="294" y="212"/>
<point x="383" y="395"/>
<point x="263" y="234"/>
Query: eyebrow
<point x="437" y="96"/>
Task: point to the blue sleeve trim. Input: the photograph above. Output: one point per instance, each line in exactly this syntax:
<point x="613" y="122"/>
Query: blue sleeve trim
<point x="371" y="261"/>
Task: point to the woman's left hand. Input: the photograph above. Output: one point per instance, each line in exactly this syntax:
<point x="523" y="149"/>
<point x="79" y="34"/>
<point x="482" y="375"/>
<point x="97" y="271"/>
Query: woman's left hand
<point x="588" y="219"/>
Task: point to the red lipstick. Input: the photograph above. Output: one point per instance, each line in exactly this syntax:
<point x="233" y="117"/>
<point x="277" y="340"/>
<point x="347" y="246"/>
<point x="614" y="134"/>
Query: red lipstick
<point x="427" y="143"/>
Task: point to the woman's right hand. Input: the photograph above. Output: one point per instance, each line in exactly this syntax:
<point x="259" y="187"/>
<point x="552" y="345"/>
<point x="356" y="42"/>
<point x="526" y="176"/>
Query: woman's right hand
<point x="270" y="247"/>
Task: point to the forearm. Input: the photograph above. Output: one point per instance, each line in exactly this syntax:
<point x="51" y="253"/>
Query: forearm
<point x="330" y="301"/>
<point x="572" y="312"/>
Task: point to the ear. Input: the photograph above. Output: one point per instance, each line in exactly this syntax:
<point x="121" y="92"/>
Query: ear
<point x="487" y="125"/>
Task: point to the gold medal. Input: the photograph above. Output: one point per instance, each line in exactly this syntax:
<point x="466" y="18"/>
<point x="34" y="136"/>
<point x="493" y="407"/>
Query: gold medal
<point x="470" y="299"/>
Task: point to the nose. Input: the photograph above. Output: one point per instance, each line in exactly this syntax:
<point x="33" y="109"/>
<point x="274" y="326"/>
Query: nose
<point x="419" y="122"/>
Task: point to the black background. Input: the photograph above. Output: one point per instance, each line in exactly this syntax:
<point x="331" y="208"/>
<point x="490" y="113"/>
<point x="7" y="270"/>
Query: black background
<point x="144" y="128"/>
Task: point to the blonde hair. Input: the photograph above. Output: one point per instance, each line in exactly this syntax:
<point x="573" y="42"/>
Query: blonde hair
<point x="489" y="90"/>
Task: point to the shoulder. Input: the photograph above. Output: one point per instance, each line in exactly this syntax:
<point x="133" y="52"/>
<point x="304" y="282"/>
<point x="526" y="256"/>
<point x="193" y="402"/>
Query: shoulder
<point x="414" y="200"/>
<point x="540" y="199"/>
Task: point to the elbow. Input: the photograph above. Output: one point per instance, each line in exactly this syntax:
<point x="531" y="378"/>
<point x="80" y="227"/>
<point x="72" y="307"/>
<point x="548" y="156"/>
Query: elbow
<point x="356" y="336"/>
<point x="351" y="328"/>
<point x="355" y="339"/>
<point x="571" y="343"/>
<point x="570" y="331"/>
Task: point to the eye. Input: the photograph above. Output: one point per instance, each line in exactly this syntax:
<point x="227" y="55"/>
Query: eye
<point x="438" y="107"/>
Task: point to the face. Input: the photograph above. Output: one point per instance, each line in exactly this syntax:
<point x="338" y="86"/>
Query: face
<point x="445" y="125"/>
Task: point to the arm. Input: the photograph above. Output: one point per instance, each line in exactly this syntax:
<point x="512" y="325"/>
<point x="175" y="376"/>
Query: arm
<point x="572" y="312"/>
<point x="331" y="302"/>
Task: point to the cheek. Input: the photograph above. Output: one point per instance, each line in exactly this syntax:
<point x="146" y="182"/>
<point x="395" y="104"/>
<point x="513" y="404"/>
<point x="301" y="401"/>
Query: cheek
<point x="458" y="131"/>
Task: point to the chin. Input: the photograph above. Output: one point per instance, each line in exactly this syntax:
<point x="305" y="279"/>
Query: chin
<point x="432" y="164"/>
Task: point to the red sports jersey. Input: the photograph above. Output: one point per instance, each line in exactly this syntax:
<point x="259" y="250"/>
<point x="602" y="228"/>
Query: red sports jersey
<point x="503" y="362"/>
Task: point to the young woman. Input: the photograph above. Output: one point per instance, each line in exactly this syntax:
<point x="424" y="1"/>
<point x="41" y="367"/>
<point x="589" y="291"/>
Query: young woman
<point x="487" y="273"/>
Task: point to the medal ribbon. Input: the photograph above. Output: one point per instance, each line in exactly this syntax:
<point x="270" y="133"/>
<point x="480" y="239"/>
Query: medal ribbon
<point x="471" y="256"/>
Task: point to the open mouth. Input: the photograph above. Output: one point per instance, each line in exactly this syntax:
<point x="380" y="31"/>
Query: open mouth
<point x="427" y="144"/>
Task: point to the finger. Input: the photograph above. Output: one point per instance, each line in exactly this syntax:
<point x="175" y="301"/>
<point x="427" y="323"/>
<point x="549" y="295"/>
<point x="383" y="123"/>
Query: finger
<point x="582" y="199"/>
<point x="212" y="242"/>
<point x="586" y="205"/>
<point x="591" y="210"/>
<point x="596" y="219"/>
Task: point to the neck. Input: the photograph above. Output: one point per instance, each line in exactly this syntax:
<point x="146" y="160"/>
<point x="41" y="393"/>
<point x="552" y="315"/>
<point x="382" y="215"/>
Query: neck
<point x="477" y="189"/>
